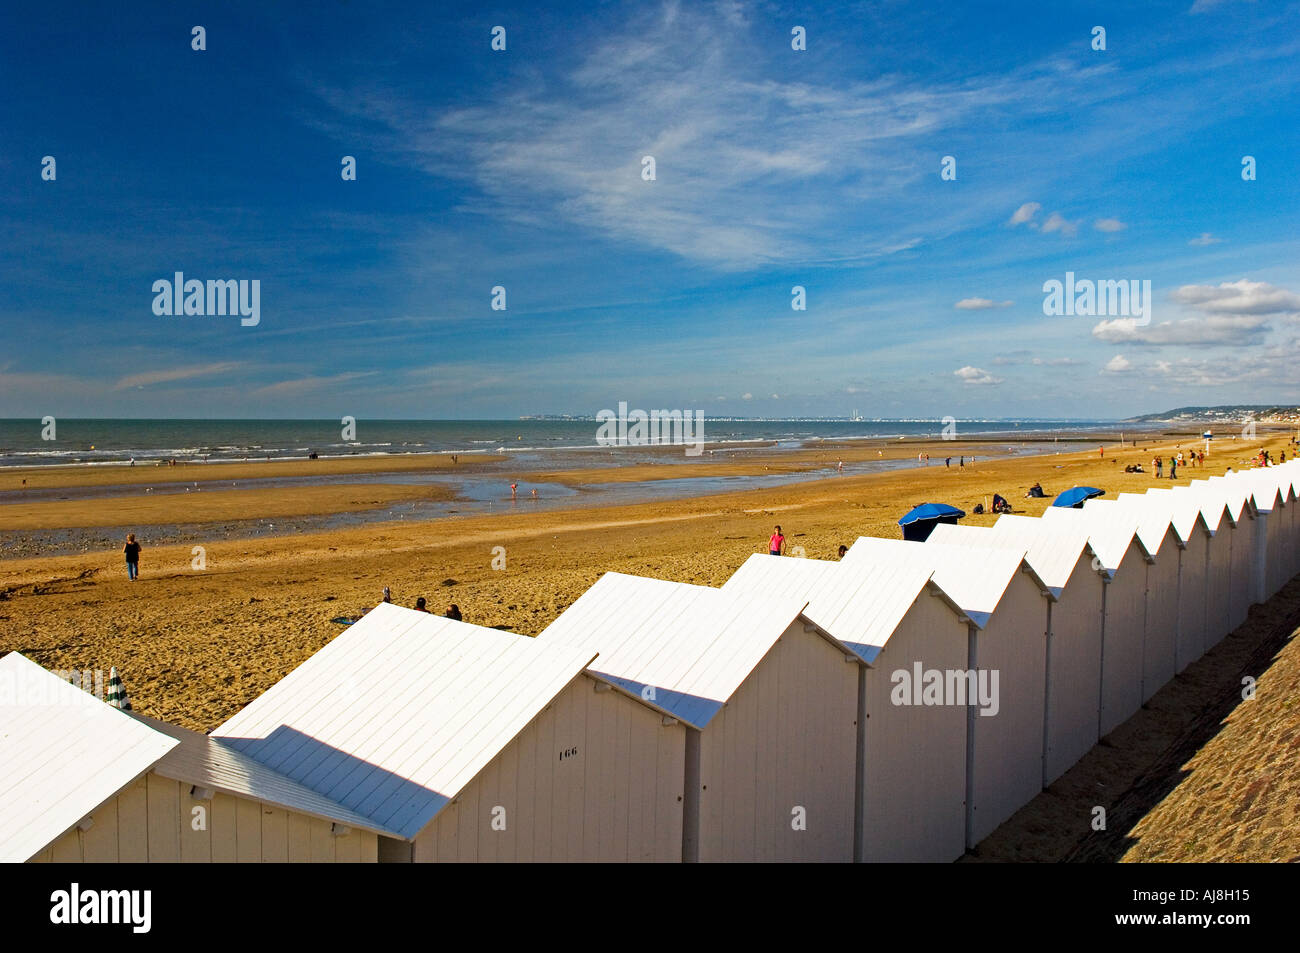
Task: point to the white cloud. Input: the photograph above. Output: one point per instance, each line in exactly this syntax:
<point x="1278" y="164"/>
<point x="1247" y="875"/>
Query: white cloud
<point x="1025" y="214"/>
<point x="1239" y="297"/>
<point x="1237" y="330"/>
<point x="1056" y="222"/>
<point x="747" y="396"/>
<point x="975" y="375"/>
<point x="1118" y="364"/>
<point x="980" y="304"/>
<point x="1055" y="362"/>
<point x="1109" y="225"/>
<point x="1205" y="238"/>
<point x="1232" y="314"/>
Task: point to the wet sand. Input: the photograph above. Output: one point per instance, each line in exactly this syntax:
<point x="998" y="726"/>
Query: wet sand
<point x="211" y="505"/>
<point x="111" y="474"/>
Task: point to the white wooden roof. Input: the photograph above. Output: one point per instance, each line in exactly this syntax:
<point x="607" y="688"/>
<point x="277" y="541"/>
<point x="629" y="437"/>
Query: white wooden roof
<point x="684" y="648"/>
<point x="861" y="605"/>
<point x="1263" y="487"/>
<point x="1053" y="551"/>
<point x="63" y="752"/>
<point x="1212" y="506"/>
<point x="401" y="711"/>
<point x="1110" y="532"/>
<point x="1234" y="493"/>
<point x="974" y="577"/>
<point x="208" y="762"/>
<point x="1290" y="473"/>
<point x="1183" y="510"/>
<point x="1155" y="525"/>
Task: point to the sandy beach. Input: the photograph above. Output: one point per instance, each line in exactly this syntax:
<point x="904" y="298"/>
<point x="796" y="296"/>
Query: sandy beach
<point x="194" y="646"/>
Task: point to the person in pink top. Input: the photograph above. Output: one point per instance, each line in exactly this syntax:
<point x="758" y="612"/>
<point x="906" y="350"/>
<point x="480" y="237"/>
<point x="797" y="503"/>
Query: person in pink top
<point x="776" y="545"/>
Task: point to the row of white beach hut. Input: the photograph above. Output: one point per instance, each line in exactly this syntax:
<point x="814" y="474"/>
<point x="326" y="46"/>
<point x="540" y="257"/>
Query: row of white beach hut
<point x="899" y="704"/>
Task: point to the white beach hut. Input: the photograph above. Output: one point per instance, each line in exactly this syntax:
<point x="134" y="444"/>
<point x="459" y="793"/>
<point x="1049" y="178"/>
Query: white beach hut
<point x="1114" y="538"/>
<point x="1289" y="480"/>
<point x="1237" y="490"/>
<point x="1270" y="491"/>
<point x="1290" y="474"/>
<point x="1074" y="601"/>
<point x="1218" y="523"/>
<point x="911" y="759"/>
<point x="472" y="744"/>
<point x="1160" y="617"/>
<point x="1001" y="597"/>
<point x="1194" y="560"/>
<point x="1243" y="586"/>
<point x="88" y="783"/>
<point x="769" y="701"/>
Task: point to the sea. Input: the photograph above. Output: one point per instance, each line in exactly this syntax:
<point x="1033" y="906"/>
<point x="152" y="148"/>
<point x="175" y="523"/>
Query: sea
<point x="89" y="441"/>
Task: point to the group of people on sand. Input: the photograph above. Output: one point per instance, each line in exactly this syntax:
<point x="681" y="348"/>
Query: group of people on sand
<point x="453" y="610"/>
<point x="776" y="545"/>
<point x="1192" y="458"/>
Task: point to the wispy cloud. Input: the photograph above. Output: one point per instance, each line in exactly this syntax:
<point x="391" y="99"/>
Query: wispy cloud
<point x="980" y="304"/>
<point x="731" y="144"/>
<point x="1205" y="238"/>
<point x="306" y="385"/>
<point x="170" y="375"/>
<point x="1109" y="225"/>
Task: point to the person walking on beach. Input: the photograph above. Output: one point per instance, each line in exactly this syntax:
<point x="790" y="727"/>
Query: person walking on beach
<point x="453" y="612"/>
<point x="843" y="549"/>
<point x="776" y="544"/>
<point x="840" y="466"/>
<point x="514" y="487"/>
<point x="961" y="462"/>
<point x="132" y="552"/>
<point x="1173" y="468"/>
<point x="947" y="462"/>
<point x="1159" y="464"/>
<point x="388" y="596"/>
<point x="419" y="605"/>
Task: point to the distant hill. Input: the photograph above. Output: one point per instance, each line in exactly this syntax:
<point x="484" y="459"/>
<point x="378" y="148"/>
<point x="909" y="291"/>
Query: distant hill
<point x="1264" y="413"/>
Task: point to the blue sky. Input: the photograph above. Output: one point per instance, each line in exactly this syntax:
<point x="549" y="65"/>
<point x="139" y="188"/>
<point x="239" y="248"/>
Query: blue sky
<point x="774" y="168"/>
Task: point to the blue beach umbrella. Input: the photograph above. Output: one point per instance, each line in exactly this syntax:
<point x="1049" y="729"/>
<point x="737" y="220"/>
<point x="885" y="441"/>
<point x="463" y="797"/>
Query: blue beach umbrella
<point x="919" y="522"/>
<point x="1077" y="495"/>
